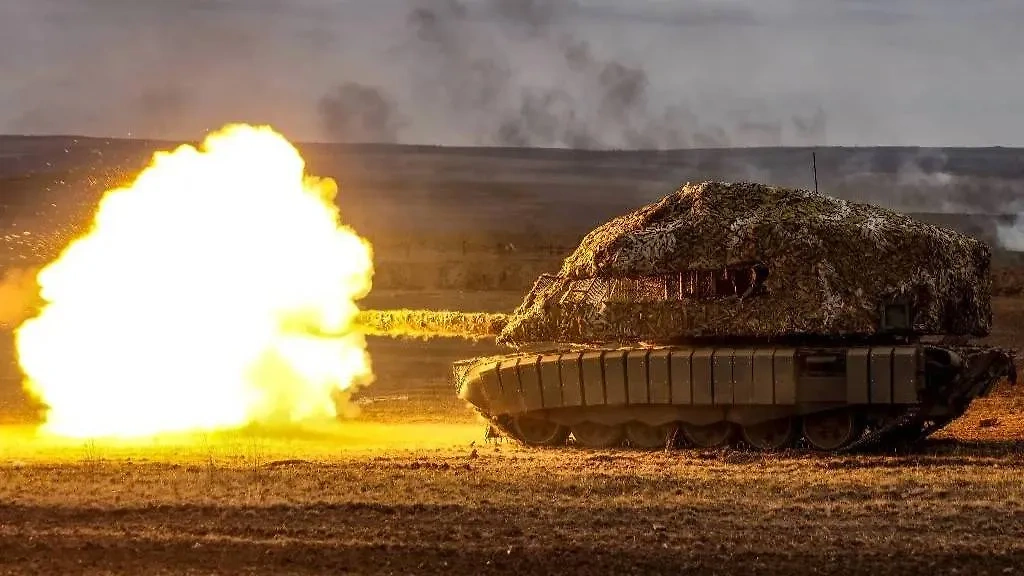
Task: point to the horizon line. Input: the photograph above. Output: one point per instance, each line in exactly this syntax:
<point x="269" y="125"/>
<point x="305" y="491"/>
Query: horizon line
<point x="173" y="141"/>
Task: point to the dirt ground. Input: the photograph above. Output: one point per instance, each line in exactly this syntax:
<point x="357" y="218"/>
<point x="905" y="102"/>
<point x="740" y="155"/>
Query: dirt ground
<point x="409" y="486"/>
<point x="506" y="510"/>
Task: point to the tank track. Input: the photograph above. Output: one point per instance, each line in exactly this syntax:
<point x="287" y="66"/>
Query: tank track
<point x="950" y="391"/>
<point x="901" y="433"/>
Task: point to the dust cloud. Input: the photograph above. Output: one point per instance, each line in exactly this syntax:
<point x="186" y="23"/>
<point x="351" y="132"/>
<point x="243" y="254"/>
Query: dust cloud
<point x="19" y="296"/>
<point x="561" y="73"/>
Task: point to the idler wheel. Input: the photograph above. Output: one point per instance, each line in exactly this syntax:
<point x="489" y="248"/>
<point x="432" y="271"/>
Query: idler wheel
<point x="772" y="434"/>
<point x="715" y="435"/>
<point x="594" y="435"/>
<point x="832" y="430"/>
<point x="539" y="432"/>
<point x="647" y="437"/>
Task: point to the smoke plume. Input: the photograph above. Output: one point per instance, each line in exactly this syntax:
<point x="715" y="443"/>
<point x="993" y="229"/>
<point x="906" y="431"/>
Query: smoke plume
<point x="572" y="73"/>
<point x="356" y="113"/>
<point x="566" y="95"/>
<point x="1011" y="237"/>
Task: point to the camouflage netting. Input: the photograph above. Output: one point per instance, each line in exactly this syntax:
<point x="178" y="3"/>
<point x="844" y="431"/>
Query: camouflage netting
<point x="718" y="259"/>
<point x="430" y="323"/>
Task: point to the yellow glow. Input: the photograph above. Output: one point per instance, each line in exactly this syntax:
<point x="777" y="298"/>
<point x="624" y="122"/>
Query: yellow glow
<point x="189" y="305"/>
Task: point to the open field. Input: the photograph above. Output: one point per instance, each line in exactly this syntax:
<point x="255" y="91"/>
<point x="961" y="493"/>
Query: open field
<point x="409" y="486"/>
<point x="262" y="505"/>
<point x="504" y="510"/>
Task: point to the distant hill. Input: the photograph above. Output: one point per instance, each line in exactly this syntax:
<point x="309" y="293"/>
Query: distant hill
<point x="392" y="193"/>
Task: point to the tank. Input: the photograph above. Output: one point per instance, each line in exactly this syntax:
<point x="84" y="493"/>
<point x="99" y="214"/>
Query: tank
<point x="739" y="314"/>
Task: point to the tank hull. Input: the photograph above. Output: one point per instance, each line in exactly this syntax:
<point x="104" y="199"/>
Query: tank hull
<point x="768" y="397"/>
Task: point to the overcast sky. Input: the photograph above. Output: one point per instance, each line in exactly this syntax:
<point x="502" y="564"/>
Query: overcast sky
<point x="589" y="73"/>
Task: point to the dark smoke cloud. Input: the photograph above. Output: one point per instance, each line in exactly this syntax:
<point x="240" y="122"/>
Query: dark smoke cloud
<point x="356" y="113"/>
<point x="811" y="129"/>
<point x="573" y="97"/>
<point x="597" y="73"/>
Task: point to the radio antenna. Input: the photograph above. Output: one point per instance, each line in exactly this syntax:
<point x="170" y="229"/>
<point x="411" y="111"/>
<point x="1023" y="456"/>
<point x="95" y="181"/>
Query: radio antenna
<point x="814" y="170"/>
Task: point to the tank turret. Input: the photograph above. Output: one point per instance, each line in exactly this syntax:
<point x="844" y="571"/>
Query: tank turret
<point x="735" y="261"/>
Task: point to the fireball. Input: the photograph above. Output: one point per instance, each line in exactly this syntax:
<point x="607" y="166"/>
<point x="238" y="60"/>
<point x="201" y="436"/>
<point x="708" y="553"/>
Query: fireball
<point x="200" y="297"/>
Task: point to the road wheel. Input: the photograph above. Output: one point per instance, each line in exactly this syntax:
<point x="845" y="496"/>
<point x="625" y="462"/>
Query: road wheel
<point x="771" y="435"/>
<point x="539" y="432"/>
<point x="830" y="431"/>
<point x="594" y="435"/>
<point x="647" y="437"/>
<point x="715" y="435"/>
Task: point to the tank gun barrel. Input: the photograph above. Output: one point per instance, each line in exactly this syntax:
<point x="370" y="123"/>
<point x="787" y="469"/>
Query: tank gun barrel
<point x="430" y="323"/>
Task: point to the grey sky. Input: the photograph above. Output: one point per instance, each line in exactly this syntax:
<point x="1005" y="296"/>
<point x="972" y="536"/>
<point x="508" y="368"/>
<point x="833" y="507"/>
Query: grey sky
<point x="531" y="72"/>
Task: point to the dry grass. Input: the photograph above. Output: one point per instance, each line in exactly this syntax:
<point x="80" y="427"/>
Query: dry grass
<point x="410" y="486"/>
<point x="485" y="509"/>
